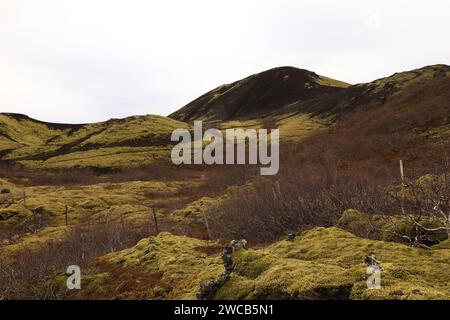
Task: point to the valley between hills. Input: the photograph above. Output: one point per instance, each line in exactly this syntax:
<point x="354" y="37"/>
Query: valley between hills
<point x="105" y="196"/>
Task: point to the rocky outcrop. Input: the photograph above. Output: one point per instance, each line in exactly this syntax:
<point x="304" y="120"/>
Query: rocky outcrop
<point x="209" y="288"/>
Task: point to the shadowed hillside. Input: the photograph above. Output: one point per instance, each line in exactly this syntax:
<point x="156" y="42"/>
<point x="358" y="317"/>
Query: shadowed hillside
<point x="258" y="95"/>
<point x="297" y="101"/>
<point x="284" y="91"/>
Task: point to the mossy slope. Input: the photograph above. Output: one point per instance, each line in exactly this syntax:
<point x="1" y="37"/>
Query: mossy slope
<point x="329" y="264"/>
<point x="323" y="263"/>
<point x="177" y="261"/>
<point x="114" y="143"/>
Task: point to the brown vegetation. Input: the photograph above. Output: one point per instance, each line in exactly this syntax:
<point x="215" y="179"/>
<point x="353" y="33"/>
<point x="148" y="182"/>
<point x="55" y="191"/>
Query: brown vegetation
<point x="23" y="273"/>
<point x="351" y="165"/>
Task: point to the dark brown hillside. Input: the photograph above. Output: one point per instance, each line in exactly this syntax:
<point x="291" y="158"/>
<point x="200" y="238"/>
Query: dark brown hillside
<point x="413" y="125"/>
<point x="288" y="90"/>
<point x="258" y="95"/>
<point x="368" y="95"/>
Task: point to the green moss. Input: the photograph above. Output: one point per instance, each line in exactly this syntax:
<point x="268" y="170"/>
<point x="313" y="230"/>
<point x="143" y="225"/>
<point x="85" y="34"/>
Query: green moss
<point x="404" y="226"/>
<point x="14" y="214"/>
<point x="325" y="81"/>
<point x="195" y="211"/>
<point x="403" y="79"/>
<point x="293" y="127"/>
<point x="174" y="256"/>
<point x="355" y="222"/>
<point x="443" y="245"/>
<point x="328" y="264"/>
<point x="386" y="227"/>
<point x="238" y="288"/>
<point x="93" y="204"/>
<point x="251" y="263"/>
<point x="128" y="142"/>
<point x="92" y="286"/>
<point x="323" y="263"/>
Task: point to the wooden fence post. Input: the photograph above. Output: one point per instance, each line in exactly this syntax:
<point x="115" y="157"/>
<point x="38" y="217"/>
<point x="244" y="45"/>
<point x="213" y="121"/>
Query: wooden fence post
<point x="207" y="225"/>
<point x="122" y="222"/>
<point x="402" y="177"/>
<point x="66" y="214"/>
<point x="155" y="221"/>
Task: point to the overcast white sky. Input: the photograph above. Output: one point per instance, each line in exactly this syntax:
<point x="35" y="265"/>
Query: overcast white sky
<point x="91" y="60"/>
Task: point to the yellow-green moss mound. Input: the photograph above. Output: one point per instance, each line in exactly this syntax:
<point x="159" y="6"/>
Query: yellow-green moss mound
<point x="387" y="228"/>
<point x="323" y="263"/>
<point x="329" y="264"/>
<point x="14" y="213"/>
<point x="195" y="211"/>
<point x="116" y="143"/>
<point x="177" y="264"/>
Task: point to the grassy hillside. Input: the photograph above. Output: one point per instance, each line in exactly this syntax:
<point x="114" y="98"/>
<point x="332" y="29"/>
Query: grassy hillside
<point x="347" y="143"/>
<point x="93" y="201"/>
<point x="125" y="142"/>
<point x="296" y="101"/>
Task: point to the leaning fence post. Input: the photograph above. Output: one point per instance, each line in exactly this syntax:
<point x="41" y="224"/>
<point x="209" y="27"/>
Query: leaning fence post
<point x="402" y="176"/>
<point x="155" y="221"/>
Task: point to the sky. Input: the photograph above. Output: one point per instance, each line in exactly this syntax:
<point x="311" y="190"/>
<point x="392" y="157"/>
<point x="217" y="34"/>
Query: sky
<point x="78" y="61"/>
